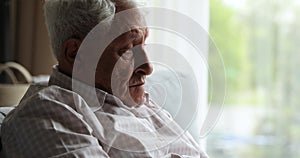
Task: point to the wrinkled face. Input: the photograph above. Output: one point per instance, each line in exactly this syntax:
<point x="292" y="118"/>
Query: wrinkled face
<point x="124" y="66"/>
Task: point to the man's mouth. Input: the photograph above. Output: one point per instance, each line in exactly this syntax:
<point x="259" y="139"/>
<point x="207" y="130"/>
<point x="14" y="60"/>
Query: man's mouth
<point x="137" y="81"/>
<point x="137" y="85"/>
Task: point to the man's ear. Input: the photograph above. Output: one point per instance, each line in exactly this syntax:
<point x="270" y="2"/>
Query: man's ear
<point x="69" y="50"/>
<point x="67" y="55"/>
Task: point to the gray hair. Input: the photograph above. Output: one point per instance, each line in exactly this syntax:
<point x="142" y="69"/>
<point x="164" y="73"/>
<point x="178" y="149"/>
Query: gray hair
<point x="75" y="18"/>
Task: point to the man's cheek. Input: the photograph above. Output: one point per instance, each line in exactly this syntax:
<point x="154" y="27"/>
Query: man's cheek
<point x="125" y="66"/>
<point x="121" y="75"/>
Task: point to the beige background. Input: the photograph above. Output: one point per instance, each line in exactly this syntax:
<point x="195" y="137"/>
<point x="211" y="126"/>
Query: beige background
<point x="31" y="46"/>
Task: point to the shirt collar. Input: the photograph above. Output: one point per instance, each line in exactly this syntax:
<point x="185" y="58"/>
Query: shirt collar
<point x="93" y="96"/>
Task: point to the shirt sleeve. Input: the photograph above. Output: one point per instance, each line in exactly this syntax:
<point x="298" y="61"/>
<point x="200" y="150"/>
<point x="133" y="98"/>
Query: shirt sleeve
<point x="46" y="128"/>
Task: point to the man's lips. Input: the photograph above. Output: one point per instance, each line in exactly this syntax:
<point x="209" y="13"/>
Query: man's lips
<point x="137" y="85"/>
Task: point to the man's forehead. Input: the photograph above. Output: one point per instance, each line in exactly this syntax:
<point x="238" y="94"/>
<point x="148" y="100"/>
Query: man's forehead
<point x="128" y="22"/>
<point x="128" y="15"/>
<point x="122" y="5"/>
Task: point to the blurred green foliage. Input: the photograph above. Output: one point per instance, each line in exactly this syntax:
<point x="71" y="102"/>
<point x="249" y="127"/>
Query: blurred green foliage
<point x="260" y="47"/>
<point x="230" y="36"/>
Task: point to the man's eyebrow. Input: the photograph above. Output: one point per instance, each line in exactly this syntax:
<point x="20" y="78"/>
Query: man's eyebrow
<point x="130" y="35"/>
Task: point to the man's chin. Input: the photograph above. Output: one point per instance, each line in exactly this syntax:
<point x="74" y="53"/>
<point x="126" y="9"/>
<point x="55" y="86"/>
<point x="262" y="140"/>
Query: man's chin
<point x="136" y="96"/>
<point x="134" y="102"/>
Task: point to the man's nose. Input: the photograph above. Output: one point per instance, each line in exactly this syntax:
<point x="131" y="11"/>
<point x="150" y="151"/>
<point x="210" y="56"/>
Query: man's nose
<point x="142" y="63"/>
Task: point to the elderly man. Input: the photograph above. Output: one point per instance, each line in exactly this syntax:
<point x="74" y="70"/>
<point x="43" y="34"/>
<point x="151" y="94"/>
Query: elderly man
<point x="115" y="119"/>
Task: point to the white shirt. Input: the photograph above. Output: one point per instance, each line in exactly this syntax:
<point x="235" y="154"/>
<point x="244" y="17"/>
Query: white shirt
<point x="54" y="121"/>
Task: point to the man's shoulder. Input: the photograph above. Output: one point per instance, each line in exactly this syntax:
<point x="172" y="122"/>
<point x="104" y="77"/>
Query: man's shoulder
<point x="44" y="93"/>
<point x="45" y="116"/>
<point x="42" y="100"/>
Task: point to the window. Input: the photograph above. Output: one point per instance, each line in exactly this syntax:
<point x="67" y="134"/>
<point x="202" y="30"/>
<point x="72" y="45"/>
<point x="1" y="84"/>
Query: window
<point x="181" y="58"/>
<point x="259" y="42"/>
